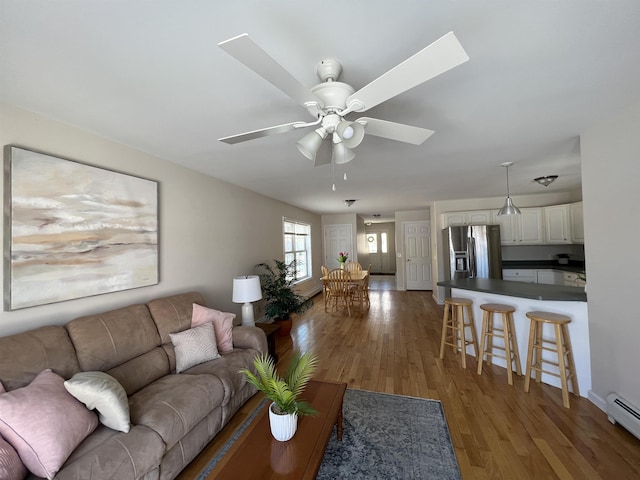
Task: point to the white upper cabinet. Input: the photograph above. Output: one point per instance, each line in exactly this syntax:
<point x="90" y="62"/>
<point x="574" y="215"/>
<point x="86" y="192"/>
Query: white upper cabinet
<point x="557" y="226"/>
<point x="508" y="228"/>
<point x="475" y="217"/>
<point x="523" y="229"/>
<point x="577" y="223"/>
<point x="553" y="225"/>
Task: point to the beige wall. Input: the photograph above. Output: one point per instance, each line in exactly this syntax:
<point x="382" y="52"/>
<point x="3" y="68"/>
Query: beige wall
<point x="610" y="174"/>
<point x="210" y="231"/>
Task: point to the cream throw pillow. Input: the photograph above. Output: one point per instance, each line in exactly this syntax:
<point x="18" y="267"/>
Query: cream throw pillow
<point x="194" y="346"/>
<point x="102" y="392"/>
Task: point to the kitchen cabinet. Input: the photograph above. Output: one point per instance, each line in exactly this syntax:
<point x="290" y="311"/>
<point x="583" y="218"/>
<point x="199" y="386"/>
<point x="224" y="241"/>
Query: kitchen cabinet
<point x="550" y="277"/>
<point x="520" y="275"/>
<point x="524" y="229"/>
<point x="473" y="217"/>
<point x="557" y="225"/>
<point x="577" y="223"/>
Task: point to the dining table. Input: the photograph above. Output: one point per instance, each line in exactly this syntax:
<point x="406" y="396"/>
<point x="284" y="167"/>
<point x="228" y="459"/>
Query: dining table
<point x="355" y="278"/>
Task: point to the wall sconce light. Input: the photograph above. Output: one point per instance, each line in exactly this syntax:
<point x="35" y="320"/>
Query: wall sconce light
<point x="246" y="289"/>
<point x="546" y="180"/>
<point x="349" y="202"/>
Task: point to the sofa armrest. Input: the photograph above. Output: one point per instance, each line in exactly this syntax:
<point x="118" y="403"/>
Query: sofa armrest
<point x="250" y="337"/>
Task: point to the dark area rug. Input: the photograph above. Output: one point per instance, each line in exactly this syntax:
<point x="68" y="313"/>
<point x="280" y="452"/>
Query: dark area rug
<point x="390" y="437"/>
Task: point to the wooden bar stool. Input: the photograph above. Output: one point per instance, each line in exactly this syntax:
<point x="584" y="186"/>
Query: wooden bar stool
<point x="507" y="332"/>
<point x="454" y="320"/>
<point x="562" y="344"/>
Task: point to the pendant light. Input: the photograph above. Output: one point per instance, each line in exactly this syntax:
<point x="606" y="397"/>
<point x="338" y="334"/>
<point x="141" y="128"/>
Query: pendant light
<point x="509" y="208"/>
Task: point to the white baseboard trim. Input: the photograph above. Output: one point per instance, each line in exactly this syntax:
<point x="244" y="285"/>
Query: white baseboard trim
<point x="597" y="400"/>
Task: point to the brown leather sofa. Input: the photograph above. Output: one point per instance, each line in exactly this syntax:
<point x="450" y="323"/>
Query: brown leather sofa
<point x="173" y="416"/>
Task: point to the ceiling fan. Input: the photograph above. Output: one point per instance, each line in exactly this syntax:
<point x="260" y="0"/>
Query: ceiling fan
<point x="330" y="101"/>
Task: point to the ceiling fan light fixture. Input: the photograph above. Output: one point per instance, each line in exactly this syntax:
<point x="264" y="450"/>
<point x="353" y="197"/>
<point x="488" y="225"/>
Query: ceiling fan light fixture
<point x="311" y="142"/>
<point x="508" y="208"/>
<point x="351" y="133"/>
<point x="341" y="154"/>
<point x="546" y="180"/>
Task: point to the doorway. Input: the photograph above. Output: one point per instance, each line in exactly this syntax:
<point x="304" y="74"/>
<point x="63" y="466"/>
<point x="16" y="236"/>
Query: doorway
<point x="417" y="247"/>
<point x="381" y="248"/>
<point x="337" y="238"/>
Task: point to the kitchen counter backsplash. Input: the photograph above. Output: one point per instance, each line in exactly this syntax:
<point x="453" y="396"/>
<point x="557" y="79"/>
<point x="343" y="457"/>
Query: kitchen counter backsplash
<point x="573" y="265"/>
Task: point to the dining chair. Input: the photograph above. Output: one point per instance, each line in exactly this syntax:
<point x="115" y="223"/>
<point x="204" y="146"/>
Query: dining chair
<point x="353" y="267"/>
<point x="325" y="290"/>
<point x="361" y="294"/>
<point x="338" y="286"/>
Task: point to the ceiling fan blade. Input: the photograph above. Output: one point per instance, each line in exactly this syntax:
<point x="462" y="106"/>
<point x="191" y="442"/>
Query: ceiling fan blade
<point x="395" y="131"/>
<point x="246" y="51"/>
<point x="263" y="132"/>
<point x="433" y="60"/>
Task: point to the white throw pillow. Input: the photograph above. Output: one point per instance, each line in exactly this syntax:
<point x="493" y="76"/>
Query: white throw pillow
<point x="102" y="392"/>
<point x="194" y="346"/>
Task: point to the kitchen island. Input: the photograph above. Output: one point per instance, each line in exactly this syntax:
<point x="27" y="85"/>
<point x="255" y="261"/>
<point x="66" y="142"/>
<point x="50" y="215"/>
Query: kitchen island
<point x="527" y="297"/>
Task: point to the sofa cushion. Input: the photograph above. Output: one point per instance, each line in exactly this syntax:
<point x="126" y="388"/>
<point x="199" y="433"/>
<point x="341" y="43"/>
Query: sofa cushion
<point x="194" y="346"/>
<point x="102" y="392"/>
<point x="174" y="404"/>
<point x="108" y="339"/>
<point x="222" y="325"/>
<point x="44" y="423"/>
<point x="227" y="369"/>
<point x="139" y="372"/>
<point x="109" y="454"/>
<point x="26" y="354"/>
<point x="173" y="314"/>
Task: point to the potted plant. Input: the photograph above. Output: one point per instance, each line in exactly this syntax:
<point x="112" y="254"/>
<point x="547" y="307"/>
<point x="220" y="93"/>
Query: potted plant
<point x="277" y="290"/>
<point x="284" y="393"/>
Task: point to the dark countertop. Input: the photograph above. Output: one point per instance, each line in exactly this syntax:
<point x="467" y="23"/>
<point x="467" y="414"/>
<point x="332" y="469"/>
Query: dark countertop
<point x="536" y="291"/>
<point x="572" y="266"/>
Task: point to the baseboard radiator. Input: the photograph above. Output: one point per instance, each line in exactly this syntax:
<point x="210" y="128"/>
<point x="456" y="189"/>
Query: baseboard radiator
<point x="626" y="414"/>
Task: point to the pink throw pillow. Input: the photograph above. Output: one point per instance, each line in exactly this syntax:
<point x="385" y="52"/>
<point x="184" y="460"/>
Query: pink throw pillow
<point x="44" y="423"/>
<point x="222" y="325"/>
<point x="11" y="467"/>
<point x="2" y="390"/>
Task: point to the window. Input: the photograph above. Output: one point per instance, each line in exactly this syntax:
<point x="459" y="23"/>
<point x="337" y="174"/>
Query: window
<point x="297" y="246"/>
<point x="372" y="238"/>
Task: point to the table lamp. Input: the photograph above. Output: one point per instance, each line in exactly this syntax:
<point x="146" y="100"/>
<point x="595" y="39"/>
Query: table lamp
<point x="246" y="289"/>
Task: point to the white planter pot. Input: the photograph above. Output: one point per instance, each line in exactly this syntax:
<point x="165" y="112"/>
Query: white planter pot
<point x="283" y="427"/>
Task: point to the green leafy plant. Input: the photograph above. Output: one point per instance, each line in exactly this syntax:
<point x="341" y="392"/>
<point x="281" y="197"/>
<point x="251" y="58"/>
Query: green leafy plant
<point x="277" y="290"/>
<point x="284" y="392"/>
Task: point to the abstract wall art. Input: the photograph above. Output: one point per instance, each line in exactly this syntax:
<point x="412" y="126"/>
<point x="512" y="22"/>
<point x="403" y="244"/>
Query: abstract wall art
<point x="73" y="230"/>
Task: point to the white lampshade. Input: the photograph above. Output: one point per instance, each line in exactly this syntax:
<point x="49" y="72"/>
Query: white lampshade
<point x="311" y="142"/>
<point x="246" y="289"/>
<point x="341" y="154"/>
<point x="351" y="133"/>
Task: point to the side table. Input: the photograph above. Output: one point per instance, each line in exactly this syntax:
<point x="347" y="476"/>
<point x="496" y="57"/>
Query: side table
<point x="270" y="330"/>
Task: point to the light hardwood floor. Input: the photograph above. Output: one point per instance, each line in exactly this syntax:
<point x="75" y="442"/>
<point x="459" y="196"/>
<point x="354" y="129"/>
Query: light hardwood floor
<point x="498" y="431"/>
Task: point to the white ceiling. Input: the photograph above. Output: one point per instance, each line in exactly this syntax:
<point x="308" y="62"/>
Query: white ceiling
<point x="149" y="74"/>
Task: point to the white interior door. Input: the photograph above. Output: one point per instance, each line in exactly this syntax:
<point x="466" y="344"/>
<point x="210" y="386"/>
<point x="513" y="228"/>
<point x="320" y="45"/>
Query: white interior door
<point x="337" y="238"/>
<point x="417" y="248"/>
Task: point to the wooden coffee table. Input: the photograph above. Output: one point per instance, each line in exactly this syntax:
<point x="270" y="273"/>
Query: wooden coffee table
<point x="257" y="455"/>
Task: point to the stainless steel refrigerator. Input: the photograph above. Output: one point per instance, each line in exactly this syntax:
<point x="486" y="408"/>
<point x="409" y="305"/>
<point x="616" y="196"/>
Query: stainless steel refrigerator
<point x="472" y="251"/>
